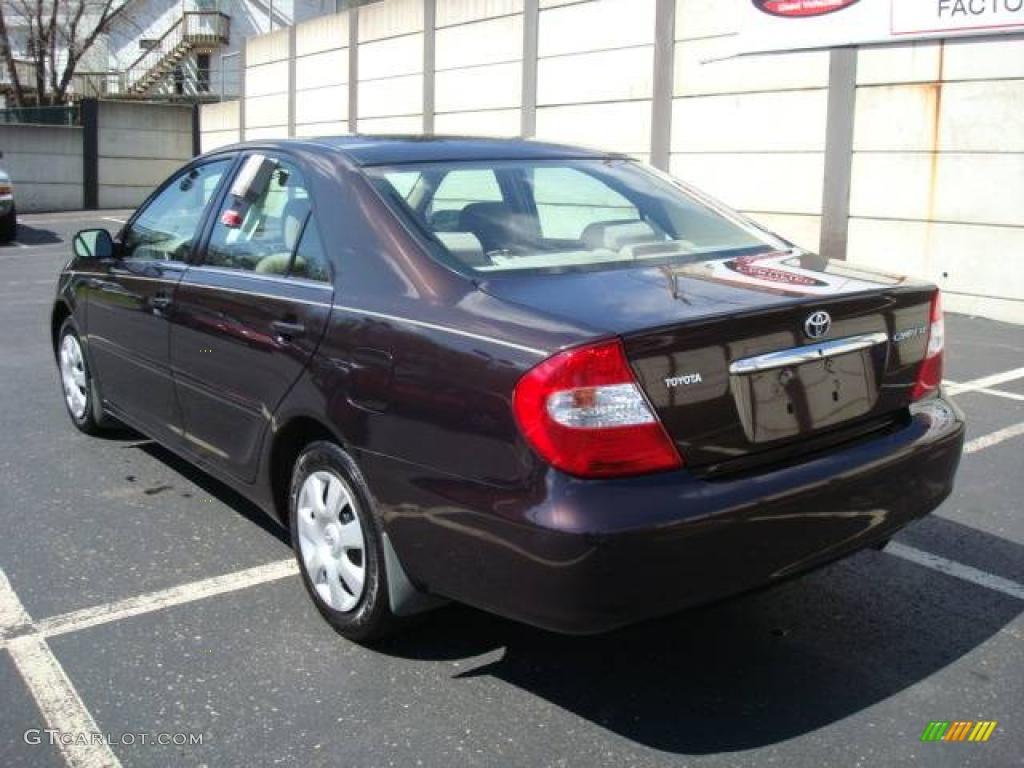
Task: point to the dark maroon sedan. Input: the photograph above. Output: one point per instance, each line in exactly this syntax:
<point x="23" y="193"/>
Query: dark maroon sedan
<point x="541" y="380"/>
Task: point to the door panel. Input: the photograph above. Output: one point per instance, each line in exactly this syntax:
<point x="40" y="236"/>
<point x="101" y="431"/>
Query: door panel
<point x="128" y="341"/>
<point x="131" y="298"/>
<point x="238" y="344"/>
<point x="247" y="321"/>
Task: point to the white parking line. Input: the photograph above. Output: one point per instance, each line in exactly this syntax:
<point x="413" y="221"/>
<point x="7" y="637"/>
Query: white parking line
<point x="111" y="218"/>
<point x="985" y="382"/>
<point x="994" y="438"/>
<point x="12" y="612"/>
<point x="999" y="393"/>
<point x="165" y="598"/>
<point x="54" y="693"/>
<point x="959" y="570"/>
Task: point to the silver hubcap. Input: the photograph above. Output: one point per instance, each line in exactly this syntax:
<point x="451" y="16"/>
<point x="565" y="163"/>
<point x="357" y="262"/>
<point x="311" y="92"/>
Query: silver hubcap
<point x="72" y="374"/>
<point x="331" y="540"/>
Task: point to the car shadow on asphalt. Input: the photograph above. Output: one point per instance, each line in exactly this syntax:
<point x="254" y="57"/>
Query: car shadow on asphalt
<point x="740" y="674"/>
<point x="214" y="487"/>
<point x="33" y="236"/>
<point x="748" y="672"/>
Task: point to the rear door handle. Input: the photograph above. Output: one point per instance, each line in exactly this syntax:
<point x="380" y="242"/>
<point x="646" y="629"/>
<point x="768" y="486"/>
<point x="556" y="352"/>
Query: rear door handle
<point x="286" y="331"/>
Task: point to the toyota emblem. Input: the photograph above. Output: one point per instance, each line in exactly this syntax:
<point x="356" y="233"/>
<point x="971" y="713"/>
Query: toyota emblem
<point x="817" y="325"/>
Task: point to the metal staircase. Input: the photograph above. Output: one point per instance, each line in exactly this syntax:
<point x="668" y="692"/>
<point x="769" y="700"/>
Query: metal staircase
<point x="156" y="68"/>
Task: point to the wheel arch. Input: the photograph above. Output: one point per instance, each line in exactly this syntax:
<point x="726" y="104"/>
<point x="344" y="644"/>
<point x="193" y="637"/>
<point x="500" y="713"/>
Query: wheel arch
<point x="60" y="312"/>
<point x="287" y="442"/>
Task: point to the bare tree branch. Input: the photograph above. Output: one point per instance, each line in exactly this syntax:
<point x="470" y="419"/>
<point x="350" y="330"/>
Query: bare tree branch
<point x="110" y="12"/>
<point x="8" y="54"/>
<point x="57" y="35"/>
<point x="52" y="46"/>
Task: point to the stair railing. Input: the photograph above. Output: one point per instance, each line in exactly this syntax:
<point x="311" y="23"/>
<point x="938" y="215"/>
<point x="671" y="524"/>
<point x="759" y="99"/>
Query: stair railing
<point x="139" y="69"/>
<point x="194" y="28"/>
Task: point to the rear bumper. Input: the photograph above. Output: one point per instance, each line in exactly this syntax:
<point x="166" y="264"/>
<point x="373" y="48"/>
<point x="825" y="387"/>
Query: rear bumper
<point x="593" y="556"/>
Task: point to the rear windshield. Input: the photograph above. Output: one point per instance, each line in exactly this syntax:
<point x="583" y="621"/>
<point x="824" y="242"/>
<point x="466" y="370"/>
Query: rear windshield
<point x="498" y="217"/>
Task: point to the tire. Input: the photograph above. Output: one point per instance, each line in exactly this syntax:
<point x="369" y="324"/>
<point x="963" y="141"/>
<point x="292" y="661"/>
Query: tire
<point x="9" y="226"/>
<point x="880" y="545"/>
<point x="336" y="537"/>
<point x="81" y="396"/>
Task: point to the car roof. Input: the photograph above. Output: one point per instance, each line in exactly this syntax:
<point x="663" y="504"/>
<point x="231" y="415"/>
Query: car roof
<point x="368" y="150"/>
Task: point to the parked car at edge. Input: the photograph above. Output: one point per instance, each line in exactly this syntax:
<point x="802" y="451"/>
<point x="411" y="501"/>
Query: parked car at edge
<point x="8" y="212"/>
<point x="545" y="381"/>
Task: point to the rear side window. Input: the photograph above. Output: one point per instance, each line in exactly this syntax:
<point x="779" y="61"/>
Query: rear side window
<point x="310" y="260"/>
<point x="262" y="236"/>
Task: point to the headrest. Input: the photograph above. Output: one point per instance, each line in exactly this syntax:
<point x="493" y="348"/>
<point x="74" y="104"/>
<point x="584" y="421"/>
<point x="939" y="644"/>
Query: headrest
<point x="615" y="235"/>
<point x="464" y="246"/>
<point x="498" y="226"/>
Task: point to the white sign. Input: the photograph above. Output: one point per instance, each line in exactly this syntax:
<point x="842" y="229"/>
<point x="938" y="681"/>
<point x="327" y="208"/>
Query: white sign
<point x="788" y="25"/>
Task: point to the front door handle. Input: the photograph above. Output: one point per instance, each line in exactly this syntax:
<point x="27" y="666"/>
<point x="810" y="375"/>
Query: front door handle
<point x="286" y="331"/>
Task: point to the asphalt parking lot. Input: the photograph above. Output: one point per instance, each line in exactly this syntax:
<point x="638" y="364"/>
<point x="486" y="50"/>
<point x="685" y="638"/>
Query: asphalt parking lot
<point x="140" y="597"/>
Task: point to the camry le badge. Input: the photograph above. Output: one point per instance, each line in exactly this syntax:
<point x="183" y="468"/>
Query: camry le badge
<point x="817" y="325"/>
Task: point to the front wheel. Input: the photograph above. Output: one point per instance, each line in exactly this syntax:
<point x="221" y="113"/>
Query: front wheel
<point x="337" y="542"/>
<point x="80" y="396"/>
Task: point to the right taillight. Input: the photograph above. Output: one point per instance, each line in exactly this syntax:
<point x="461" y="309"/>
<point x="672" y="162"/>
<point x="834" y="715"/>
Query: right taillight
<point x="929" y="374"/>
<point x="583" y="411"/>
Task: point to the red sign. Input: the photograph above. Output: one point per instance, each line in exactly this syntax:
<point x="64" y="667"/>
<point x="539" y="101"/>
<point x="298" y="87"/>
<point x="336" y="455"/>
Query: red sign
<point x="772" y="273"/>
<point x="798" y="8"/>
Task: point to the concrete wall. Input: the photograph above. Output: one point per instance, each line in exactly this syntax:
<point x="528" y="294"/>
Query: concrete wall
<point x="140" y="145"/>
<point x="750" y="131"/>
<point x="938" y="169"/>
<point x="266" y="85"/>
<point x="45" y="164"/>
<point x="220" y="124"/>
<point x="936" y="173"/>
<point x="321" y="76"/>
<point x="390" y="67"/>
<point x="478" y="66"/>
<point x="595" y="73"/>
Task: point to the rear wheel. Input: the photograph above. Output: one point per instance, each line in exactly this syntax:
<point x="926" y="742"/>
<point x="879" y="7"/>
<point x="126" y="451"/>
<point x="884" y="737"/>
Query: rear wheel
<point x="337" y="542"/>
<point x="80" y="394"/>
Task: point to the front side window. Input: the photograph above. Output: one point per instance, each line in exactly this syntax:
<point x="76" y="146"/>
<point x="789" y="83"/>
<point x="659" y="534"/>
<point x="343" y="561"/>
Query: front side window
<point x="495" y="217"/>
<point x="166" y="228"/>
<point x="261" y="235"/>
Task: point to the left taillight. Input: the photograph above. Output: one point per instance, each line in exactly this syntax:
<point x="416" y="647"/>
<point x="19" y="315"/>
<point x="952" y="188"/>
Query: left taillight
<point x="584" y="413"/>
<point x="929" y="374"/>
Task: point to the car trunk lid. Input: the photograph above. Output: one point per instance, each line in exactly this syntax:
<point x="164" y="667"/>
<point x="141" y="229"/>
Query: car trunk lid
<point x="746" y="357"/>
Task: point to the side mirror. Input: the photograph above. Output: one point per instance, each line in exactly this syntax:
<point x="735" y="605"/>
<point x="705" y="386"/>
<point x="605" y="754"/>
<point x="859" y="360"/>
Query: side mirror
<point x="93" y="244"/>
